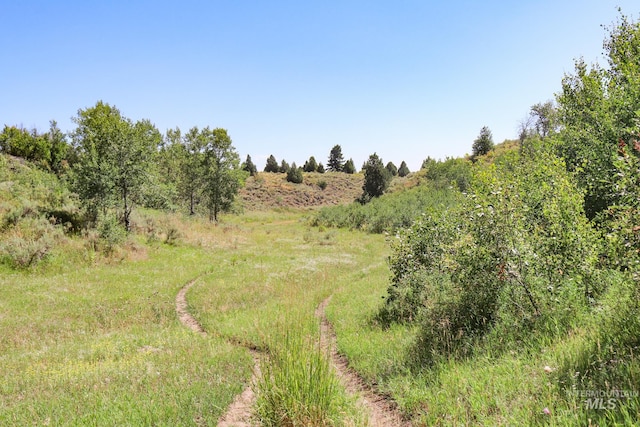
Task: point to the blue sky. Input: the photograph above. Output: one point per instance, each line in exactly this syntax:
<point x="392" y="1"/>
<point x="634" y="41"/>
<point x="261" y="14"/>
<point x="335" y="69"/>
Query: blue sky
<point x="405" y="79"/>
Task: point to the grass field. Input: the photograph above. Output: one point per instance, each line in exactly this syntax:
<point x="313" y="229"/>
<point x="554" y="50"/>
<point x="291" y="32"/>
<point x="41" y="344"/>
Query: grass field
<point x="98" y="342"/>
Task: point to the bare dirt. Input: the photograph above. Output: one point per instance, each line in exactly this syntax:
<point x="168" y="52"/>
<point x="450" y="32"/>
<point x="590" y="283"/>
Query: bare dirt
<point x="382" y="411"/>
<point x="239" y="413"/>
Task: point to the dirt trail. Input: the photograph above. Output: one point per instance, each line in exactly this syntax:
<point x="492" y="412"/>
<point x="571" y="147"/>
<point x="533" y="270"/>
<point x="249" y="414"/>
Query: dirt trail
<point x="239" y="412"/>
<point x="382" y="411"/>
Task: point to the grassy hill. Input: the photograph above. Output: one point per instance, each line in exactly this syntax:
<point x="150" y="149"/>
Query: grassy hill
<point x="271" y="190"/>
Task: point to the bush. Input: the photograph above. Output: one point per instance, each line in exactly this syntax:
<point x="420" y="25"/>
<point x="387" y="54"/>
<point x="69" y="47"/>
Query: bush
<point x="516" y="255"/>
<point x="111" y="232"/>
<point x="29" y="242"/>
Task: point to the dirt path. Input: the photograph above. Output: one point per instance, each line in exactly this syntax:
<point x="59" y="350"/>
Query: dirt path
<point x="239" y="412"/>
<point x="382" y="411"/>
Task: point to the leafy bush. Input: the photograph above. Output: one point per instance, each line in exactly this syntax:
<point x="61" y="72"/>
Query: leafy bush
<point x="516" y="255"/>
<point x="111" y="232"/>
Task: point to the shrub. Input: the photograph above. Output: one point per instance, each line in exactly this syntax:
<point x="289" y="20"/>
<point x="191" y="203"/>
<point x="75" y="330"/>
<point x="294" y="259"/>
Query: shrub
<point x="29" y="242"/>
<point x="517" y="254"/>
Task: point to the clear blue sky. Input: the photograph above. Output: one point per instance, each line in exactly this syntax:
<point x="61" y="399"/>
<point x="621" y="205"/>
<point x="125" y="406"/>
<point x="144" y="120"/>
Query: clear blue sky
<point x="405" y="79"/>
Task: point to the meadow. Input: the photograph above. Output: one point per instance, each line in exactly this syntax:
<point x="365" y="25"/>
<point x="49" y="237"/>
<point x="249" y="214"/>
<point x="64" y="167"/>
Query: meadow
<point x="95" y="340"/>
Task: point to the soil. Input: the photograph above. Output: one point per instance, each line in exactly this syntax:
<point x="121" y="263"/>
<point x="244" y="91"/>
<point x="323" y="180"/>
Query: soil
<point x="239" y="412"/>
<point x="382" y="411"/>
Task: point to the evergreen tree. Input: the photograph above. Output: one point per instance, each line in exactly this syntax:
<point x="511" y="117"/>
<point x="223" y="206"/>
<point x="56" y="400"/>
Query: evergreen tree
<point x="284" y="166"/>
<point x="482" y="144"/>
<point x="295" y="174"/>
<point x="376" y="178"/>
<point x="404" y="169"/>
<point x="393" y="170"/>
<point x="249" y="166"/>
<point x="336" y="161"/>
<point x="320" y="168"/>
<point x="272" y="165"/>
<point x="310" y="165"/>
<point x="349" y="167"/>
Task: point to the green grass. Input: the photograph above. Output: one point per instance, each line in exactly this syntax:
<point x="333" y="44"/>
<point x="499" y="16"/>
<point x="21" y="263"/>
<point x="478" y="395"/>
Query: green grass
<point x="90" y="339"/>
<point x="101" y="345"/>
<point x="275" y="278"/>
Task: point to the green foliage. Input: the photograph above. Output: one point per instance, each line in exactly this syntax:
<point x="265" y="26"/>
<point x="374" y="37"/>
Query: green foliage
<point x="272" y="165"/>
<point x="336" y="159"/>
<point x="454" y="172"/>
<point x="403" y="170"/>
<point x="598" y="107"/>
<point x="36" y="209"/>
<point x="349" y="167"/>
<point x="376" y="178"/>
<point x="295" y="174"/>
<point x="249" y="166"/>
<point x="517" y="256"/>
<point x="48" y="150"/>
<point x="113" y="159"/>
<point x="284" y="166"/>
<point x="482" y="144"/>
<point x="310" y="165"/>
<point x="393" y="170"/>
<point x="28" y="242"/>
<point x="222" y="173"/>
<point x="320" y="168"/>
<point x="111" y="233"/>
<point x="387" y="213"/>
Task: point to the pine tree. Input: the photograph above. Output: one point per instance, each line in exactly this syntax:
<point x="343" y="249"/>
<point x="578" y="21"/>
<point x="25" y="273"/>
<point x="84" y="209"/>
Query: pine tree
<point x="272" y="165"/>
<point x="336" y="161"/>
<point x="349" y="167"/>
<point x="404" y="169"/>
<point x="295" y="174"/>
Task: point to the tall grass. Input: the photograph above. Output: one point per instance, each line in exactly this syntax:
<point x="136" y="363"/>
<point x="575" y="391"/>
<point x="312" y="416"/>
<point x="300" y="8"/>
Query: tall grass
<point x="298" y="386"/>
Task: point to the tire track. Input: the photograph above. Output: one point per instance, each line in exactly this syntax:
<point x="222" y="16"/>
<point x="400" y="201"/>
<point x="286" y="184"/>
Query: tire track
<point x="239" y="413"/>
<point x="382" y="411"/>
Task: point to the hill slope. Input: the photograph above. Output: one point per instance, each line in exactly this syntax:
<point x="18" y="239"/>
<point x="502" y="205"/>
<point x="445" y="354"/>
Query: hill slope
<point x="271" y="190"/>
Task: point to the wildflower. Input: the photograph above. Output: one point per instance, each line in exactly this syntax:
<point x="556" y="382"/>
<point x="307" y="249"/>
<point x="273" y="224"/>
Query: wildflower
<point x="546" y="411"/>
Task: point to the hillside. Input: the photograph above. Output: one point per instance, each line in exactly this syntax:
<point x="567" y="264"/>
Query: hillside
<point x="271" y="190"/>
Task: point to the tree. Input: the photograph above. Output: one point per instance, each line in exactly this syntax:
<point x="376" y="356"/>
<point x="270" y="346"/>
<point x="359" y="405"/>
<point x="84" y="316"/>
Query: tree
<point x="223" y="175"/>
<point x="272" y="165"/>
<point x="310" y="165"/>
<point x="191" y="183"/>
<point x="320" y="168"/>
<point x="393" y="170"/>
<point x="113" y="158"/>
<point x="284" y="166"/>
<point x="249" y="166"/>
<point x="295" y="174"/>
<point x="404" y="169"/>
<point x="349" y="167"/>
<point x="336" y="161"/>
<point x="376" y="178"/>
<point x="482" y="144"/>
<point x="597" y="109"/>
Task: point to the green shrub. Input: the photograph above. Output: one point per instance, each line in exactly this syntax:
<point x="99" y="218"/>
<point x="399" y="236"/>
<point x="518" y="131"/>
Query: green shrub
<point x="111" y="232"/>
<point x="29" y="242"/>
<point x="517" y="255"/>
